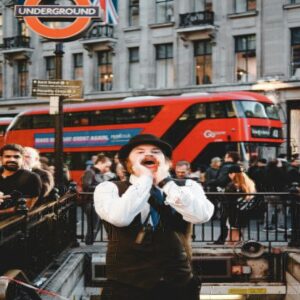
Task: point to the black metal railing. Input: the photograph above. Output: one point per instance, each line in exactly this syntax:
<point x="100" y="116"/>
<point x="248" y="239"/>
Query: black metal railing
<point x="277" y="220"/>
<point x="196" y="18"/>
<point x="100" y="31"/>
<point x="29" y="241"/>
<point x="19" y="41"/>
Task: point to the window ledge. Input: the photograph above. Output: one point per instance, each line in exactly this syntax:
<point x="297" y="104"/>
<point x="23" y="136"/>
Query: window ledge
<point x="161" y="25"/>
<point x="243" y="14"/>
<point x="291" y="6"/>
<point x="132" y="28"/>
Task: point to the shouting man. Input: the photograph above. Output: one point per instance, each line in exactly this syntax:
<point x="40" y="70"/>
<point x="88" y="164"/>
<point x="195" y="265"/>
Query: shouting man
<point x="148" y="221"/>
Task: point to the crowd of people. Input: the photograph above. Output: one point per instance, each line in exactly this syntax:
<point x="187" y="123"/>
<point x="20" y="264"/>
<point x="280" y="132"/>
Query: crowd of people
<point x="25" y="172"/>
<point x="24" y="175"/>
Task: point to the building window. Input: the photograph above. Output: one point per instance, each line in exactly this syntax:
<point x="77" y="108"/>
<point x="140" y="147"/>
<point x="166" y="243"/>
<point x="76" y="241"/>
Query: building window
<point x="164" y="66"/>
<point x="50" y="67"/>
<point x="295" y="1"/>
<point x="1" y="79"/>
<point x="202" y="5"/>
<point x="134" y="12"/>
<point x="23" y="30"/>
<point x="203" y="62"/>
<point x="134" y="68"/>
<point x="245" y="58"/>
<point x="241" y="6"/>
<point x="78" y="66"/>
<point x="104" y="72"/>
<point x="164" y="11"/>
<point x="21" y="87"/>
<point x="295" y="52"/>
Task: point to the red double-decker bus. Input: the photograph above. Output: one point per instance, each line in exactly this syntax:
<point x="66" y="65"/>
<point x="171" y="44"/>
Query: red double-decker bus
<point x="199" y="127"/>
<point x="4" y="122"/>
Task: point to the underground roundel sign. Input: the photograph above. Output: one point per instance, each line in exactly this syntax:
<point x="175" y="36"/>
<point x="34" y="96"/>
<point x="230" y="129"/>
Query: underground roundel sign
<point x="80" y="14"/>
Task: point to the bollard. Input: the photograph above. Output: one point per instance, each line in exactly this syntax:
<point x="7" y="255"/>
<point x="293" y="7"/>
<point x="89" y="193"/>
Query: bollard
<point x="295" y="205"/>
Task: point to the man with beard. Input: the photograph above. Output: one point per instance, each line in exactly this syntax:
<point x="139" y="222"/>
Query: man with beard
<point x="16" y="181"/>
<point x="148" y="221"/>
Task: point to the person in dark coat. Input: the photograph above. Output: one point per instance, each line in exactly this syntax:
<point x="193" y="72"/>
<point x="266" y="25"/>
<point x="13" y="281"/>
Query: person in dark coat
<point x="275" y="181"/>
<point x="212" y="171"/>
<point x="258" y="174"/>
<point x="293" y="172"/>
<point x="99" y="172"/>
<point x="231" y="158"/>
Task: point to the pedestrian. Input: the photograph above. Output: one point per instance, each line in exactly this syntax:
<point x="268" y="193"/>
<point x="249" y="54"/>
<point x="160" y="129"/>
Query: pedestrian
<point x="275" y="182"/>
<point x="231" y="158"/>
<point x="147" y="220"/>
<point x="33" y="164"/>
<point x="182" y="169"/>
<point x="96" y="174"/>
<point x="237" y="219"/>
<point x="15" y="182"/>
<point x="212" y="171"/>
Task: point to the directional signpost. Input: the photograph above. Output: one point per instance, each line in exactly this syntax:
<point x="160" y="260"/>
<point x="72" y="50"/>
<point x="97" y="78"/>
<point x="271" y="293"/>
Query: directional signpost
<point x="57" y="88"/>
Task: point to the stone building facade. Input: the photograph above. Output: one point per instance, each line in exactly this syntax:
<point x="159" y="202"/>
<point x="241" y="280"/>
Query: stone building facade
<point x="165" y="47"/>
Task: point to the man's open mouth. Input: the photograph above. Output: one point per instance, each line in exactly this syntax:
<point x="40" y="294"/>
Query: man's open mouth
<point x="149" y="162"/>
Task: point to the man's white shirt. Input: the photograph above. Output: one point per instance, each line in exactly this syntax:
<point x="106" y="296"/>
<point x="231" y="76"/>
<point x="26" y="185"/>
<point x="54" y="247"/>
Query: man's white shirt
<point x="189" y="200"/>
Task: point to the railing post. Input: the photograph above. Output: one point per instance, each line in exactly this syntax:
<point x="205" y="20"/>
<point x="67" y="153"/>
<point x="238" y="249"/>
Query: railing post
<point x="295" y="206"/>
<point x="22" y="209"/>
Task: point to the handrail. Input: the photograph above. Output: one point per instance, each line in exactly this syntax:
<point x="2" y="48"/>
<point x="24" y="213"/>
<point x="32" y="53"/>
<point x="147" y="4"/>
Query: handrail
<point x="7" y="286"/>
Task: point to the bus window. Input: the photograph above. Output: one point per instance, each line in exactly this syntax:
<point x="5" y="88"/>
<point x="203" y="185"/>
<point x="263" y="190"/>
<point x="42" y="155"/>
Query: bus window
<point x="185" y="123"/>
<point x="195" y="112"/>
<point x="272" y="111"/>
<point x="2" y="129"/>
<point x="23" y="122"/>
<point x="252" y="109"/>
<point x="74" y="119"/>
<point x="230" y="109"/>
<point x="219" y="110"/>
<point x="124" y="115"/>
<point x="43" y="121"/>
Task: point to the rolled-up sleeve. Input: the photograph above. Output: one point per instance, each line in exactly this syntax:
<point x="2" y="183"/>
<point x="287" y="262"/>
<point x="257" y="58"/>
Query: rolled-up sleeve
<point x="189" y="200"/>
<point x="120" y="211"/>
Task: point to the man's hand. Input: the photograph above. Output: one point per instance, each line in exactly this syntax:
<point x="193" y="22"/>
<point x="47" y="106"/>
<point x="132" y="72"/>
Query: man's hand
<point x="3" y="197"/>
<point x="162" y="171"/>
<point x="139" y="170"/>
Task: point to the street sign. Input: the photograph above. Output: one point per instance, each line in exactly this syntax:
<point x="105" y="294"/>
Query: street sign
<point x="57" y="88"/>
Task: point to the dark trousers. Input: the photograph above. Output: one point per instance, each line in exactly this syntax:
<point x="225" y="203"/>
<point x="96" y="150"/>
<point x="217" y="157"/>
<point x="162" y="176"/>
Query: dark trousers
<point x="162" y="291"/>
<point x="223" y="224"/>
<point x="93" y="223"/>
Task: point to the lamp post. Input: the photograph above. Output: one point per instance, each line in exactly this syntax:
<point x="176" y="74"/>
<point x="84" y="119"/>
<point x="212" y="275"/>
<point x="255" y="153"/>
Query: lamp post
<point x="59" y="122"/>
